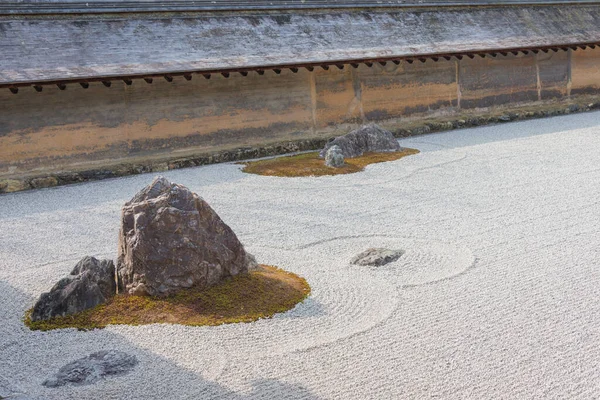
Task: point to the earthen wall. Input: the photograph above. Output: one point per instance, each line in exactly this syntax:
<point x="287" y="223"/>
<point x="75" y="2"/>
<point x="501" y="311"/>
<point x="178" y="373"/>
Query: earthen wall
<point x="77" y="128"/>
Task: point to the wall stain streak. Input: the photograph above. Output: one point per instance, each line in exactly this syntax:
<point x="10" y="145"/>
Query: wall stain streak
<point x="357" y="101"/>
<point x="458" y="84"/>
<point x="313" y="100"/>
<point x="537" y="75"/>
<point x="569" y="72"/>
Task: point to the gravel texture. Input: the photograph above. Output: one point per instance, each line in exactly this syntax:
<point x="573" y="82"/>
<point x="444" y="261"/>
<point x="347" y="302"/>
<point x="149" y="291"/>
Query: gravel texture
<point x="495" y="297"/>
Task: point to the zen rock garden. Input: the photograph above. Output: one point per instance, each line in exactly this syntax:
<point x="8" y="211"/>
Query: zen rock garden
<point x="345" y="154"/>
<point x="170" y="239"/>
<point x="179" y="255"/>
<point x="172" y="242"/>
<point x="173" y="248"/>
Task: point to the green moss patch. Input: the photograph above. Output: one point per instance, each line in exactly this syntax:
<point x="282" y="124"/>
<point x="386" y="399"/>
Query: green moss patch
<point x="244" y="298"/>
<point x="310" y="164"/>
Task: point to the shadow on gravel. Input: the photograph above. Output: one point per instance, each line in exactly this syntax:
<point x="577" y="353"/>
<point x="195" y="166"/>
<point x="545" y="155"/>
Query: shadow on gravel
<point x="27" y="358"/>
<point x="311" y="309"/>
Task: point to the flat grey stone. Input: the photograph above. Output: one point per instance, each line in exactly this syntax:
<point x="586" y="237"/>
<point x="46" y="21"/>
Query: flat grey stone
<point x="91" y="369"/>
<point x="377" y="257"/>
<point x="334" y="157"/>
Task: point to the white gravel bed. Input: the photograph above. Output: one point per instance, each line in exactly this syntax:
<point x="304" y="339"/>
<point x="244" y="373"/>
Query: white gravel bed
<point x="497" y="295"/>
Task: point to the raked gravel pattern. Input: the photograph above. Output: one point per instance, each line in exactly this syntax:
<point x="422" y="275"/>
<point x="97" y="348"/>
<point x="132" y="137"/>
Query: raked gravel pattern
<point x="497" y="295"/>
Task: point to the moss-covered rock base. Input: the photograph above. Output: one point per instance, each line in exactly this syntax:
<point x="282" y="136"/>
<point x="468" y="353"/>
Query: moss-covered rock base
<point x="261" y="293"/>
<point x="310" y="164"/>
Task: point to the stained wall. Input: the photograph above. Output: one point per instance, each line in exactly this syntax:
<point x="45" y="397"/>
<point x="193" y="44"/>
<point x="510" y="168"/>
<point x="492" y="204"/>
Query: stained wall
<point x="78" y="128"/>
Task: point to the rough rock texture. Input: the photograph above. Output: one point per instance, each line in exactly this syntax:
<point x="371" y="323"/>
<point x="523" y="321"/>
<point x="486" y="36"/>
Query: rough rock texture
<point x="334" y="157"/>
<point x="91" y="282"/>
<point x="172" y="239"/>
<point x="92" y="368"/>
<point x="365" y="139"/>
<point x="376" y="257"/>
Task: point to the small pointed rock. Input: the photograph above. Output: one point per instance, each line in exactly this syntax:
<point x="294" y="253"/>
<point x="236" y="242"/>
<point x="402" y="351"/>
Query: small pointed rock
<point x="334" y="157"/>
<point x="92" y="282"/>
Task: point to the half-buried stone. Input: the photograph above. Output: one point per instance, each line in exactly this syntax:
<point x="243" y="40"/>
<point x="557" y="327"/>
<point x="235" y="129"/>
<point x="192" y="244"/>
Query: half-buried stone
<point x="171" y="239"/>
<point x="377" y="257"/>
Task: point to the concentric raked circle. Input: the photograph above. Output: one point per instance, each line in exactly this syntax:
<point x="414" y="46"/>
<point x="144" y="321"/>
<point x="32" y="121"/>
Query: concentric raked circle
<point x="342" y="303"/>
<point x="423" y="261"/>
<point x="345" y="300"/>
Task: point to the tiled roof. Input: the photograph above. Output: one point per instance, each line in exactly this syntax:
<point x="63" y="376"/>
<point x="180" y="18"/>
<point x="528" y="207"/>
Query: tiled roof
<point x="54" y="48"/>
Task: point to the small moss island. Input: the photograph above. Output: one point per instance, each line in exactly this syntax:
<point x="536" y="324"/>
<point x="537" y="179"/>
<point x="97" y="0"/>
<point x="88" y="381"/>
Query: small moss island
<point x="310" y="164"/>
<point x="261" y="293"/>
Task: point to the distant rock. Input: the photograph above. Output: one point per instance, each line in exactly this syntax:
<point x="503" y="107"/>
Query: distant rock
<point x="377" y="257"/>
<point x="368" y="138"/>
<point x="93" y="368"/>
<point x="334" y="157"/>
<point x="172" y="239"/>
<point x="91" y="282"/>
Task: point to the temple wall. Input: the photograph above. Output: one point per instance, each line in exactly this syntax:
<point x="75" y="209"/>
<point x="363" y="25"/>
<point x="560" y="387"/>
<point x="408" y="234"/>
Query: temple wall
<point x="81" y="128"/>
<point x="585" y="71"/>
<point x="497" y="81"/>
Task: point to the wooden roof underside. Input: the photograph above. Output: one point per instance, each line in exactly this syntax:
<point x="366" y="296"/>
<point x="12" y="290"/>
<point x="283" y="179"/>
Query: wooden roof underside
<point x="79" y="48"/>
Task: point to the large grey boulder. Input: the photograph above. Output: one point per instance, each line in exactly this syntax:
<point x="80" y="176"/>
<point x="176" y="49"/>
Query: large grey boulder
<point x="368" y="138"/>
<point x="334" y="157"/>
<point x="376" y="257"/>
<point x="93" y="368"/>
<point x="92" y="282"/>
<point x="172" y="239"/>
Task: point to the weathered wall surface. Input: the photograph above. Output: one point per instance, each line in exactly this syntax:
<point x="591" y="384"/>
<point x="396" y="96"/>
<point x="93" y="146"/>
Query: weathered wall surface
<point x="585" y="71"/>
<point x="394" y="91"/>
<point x="79" y="128"/>
<point x="496" y="81"/>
